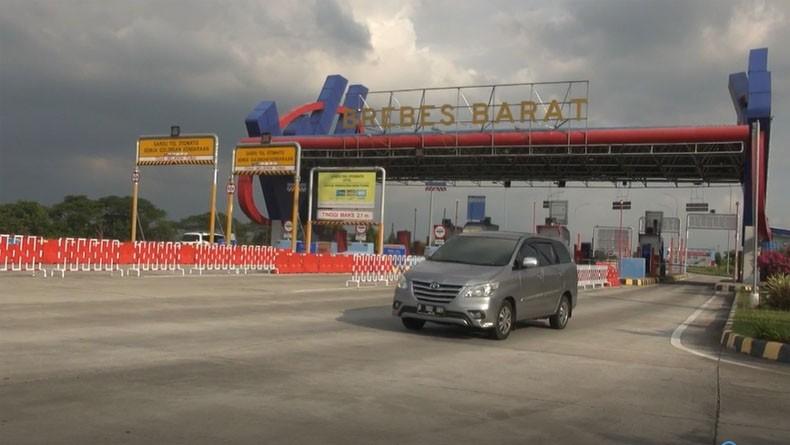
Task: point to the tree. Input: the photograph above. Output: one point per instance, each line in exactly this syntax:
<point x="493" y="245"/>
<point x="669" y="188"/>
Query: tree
<point x="25" y="218"/>
<point x="76" y="216"/>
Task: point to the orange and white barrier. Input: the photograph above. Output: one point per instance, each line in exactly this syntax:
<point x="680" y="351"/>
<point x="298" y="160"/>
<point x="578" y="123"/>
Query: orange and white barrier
<point x="157" y="256"/>
<point x="236" y="259"/>
<point x="86" y="255"/>
<point x="592" y="276"/>
<point x="375" y="269"/>
<point x="21" y="253"/>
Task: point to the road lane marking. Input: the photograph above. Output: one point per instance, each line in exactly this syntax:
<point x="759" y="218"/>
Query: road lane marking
<point x="678" y="333"/>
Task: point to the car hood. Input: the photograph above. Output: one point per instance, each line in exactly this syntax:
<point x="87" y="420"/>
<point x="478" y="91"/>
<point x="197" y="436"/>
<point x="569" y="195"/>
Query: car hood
<point x="452" y="273"/>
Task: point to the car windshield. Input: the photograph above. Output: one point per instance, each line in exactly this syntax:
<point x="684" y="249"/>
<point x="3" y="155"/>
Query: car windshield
<point x="190" y="238"/>
<point x="477" y="250"/>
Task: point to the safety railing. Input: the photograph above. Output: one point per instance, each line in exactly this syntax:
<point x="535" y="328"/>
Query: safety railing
<point x="380" y="269"/>
<point x="592" y="276"/>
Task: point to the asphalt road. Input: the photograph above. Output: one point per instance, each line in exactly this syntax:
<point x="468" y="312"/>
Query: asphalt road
<point x="297" y="360"/>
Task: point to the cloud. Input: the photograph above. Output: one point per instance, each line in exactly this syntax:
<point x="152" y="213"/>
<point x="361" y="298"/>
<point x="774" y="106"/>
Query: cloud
<point x="80" y="81"/>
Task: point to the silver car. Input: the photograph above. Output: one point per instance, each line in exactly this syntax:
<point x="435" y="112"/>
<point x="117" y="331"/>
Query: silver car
<point x="490" y="280"/>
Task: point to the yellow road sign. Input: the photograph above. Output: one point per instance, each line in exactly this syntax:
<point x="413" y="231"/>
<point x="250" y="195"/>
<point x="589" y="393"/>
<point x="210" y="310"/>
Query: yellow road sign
<point x="187" y="150"/>
<point x="264" y="159"/>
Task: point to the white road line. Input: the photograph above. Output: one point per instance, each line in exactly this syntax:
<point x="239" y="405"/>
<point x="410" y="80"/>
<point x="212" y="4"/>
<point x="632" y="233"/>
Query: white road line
<point x="678" y="333"/>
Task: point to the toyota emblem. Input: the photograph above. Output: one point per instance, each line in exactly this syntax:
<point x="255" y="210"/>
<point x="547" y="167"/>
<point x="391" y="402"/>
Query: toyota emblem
<point x="434" y="285"/>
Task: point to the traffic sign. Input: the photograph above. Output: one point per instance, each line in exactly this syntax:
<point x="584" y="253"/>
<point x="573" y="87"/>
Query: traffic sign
<point x="697" y="207"/>
<point x="288" y="226"/>
<point x="439" y="232"/>
<point x="621" y="205"/>
<point x="136" y="176"/>
<point x="361" y="229"/>
<point x="231" y="188"/>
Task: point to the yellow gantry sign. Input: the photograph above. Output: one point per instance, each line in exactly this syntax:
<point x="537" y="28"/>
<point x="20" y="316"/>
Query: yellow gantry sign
<point x="187" y="150"/>
<point x="264" y="160"/>
<point x="192" y="149"/>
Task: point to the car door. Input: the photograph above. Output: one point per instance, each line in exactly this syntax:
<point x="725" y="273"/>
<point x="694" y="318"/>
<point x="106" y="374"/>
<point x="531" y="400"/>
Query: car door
<point x="552" y="277"/>
<point x="531" y="284"/>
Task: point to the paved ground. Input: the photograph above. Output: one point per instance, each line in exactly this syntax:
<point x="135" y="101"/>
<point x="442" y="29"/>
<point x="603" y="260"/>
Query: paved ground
<point x="268" y="359"/>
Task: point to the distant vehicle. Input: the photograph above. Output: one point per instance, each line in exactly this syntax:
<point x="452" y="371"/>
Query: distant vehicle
<point x="197" y="238"/>
<point x="490" y="280"/>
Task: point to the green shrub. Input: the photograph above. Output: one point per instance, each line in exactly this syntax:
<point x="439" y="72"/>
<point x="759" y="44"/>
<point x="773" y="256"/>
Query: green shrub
<point x="769" y="329"/>
<point x="778" y="287"/>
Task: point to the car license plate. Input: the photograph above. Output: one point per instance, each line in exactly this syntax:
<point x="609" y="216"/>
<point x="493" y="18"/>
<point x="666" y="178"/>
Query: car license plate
<point x="427" y="309"/>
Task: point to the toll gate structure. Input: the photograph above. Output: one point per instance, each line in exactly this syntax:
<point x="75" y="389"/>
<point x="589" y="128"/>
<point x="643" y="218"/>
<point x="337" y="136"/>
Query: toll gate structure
<point x="479" y="133"/>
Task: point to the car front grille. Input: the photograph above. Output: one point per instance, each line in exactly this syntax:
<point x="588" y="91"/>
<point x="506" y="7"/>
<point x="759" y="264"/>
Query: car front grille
<point x="443" y="293"/>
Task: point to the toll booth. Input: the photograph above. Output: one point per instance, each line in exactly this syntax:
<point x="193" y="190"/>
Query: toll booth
<point x="651" y="246"/>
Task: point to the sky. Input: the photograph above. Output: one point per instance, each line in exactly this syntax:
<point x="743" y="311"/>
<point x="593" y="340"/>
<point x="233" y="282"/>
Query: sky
<point x="81" y="80"/>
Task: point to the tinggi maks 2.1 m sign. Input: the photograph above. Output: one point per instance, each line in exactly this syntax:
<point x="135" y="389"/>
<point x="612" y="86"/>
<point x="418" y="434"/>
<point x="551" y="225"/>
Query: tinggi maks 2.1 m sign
<point x="346" y="195"/>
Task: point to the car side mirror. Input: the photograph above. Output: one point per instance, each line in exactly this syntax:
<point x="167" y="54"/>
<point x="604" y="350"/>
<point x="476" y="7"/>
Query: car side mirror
<point x="528" y="262"/>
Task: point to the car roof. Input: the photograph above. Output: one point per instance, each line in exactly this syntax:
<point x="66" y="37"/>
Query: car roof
<point x="509" y="235"/>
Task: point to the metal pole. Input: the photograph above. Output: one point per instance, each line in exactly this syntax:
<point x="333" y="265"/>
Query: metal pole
<point x="309" y="232"/>
<point x="736" y="267"/>
<point x="534" y="210"/>
<point x="686" y="247"/>
<point x="430" y="218"/>
<point x="135" y="190"/>
<point x="380" y="247"/>
<point x="414" y="228"/>
<point x="755" y="203"/>
<point x="620" y="233"/>
<point x="295" y="204"/>
<point x="728" y="238"/>
<point x="213" y="198"/>
<point x="229" y="211"/>
<point x="455" y="222"/>
<point x="504" y="212"/>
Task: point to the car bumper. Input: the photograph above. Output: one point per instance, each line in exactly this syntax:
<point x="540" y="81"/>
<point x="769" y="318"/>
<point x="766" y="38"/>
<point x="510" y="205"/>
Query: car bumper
<point x="475" y="313"/>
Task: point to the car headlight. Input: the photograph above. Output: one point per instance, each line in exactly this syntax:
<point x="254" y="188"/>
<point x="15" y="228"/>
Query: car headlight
<point x="403" y="283"/>
<point x="479" y="290"/>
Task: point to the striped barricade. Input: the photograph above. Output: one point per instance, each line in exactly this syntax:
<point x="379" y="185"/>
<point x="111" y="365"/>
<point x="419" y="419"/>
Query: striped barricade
<point x="592" y="276"/>
<point x="157" y="256"/>
<point x="375" y="269"/>
<point x="22" y="253"/>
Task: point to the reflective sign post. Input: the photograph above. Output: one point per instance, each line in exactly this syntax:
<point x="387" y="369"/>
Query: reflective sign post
<point x="176" y="149"/>
<point x="231" y="189"/>
<point x="135" y="189"/>
<point x="309" y="225"/>
<point x="272" y="159"/>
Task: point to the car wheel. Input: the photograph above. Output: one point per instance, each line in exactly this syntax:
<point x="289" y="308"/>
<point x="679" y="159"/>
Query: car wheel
<point x="505" y="320"/>
<point x="560" y="319"/>
<point x="413" y="324"/>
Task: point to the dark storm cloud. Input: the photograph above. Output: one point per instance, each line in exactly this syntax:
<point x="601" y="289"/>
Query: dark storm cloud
<point x="80" y="81"/>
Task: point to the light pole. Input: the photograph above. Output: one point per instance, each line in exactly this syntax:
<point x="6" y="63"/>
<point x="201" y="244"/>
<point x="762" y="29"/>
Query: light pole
<point x="414" y="228"/>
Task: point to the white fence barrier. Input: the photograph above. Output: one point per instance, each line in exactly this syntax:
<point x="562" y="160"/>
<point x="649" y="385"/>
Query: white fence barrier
<point x="590" y="276"/>
<point x="375" y="269"/>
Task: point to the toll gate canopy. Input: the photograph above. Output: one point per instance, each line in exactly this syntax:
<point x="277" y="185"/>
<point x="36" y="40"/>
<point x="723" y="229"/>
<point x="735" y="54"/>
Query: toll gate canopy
<point x="511" y="132"/>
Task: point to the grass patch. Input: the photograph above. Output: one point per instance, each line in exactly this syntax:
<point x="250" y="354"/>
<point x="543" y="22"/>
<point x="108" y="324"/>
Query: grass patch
<point x="762" y="323"/>
<point x="719" y="271"/>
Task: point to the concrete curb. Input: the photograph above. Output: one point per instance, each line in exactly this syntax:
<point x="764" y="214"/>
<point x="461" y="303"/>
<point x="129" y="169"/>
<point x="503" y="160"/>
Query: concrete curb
<point x="769" y="350"/>
<point x="638" y="281"/>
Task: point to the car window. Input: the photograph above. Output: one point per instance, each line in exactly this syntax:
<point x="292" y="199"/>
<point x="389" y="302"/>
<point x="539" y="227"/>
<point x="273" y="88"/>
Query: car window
<point x="528" y="251"/>
<point x="190" y="238"/>
<point x="547" y="252"/>
<point x="562" y="253"/>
